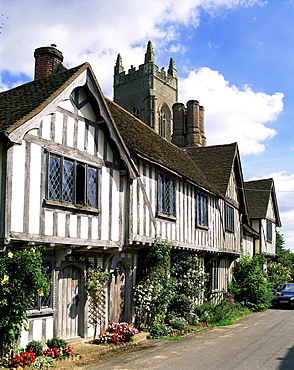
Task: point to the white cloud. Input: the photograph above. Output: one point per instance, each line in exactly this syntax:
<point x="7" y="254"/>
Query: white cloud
<point x="231" y="113"/>
<point x="95" y="31"/>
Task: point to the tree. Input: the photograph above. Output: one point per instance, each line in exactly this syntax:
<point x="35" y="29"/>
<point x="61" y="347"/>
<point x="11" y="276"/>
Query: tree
<point x="283" y="256"/>
<point x="249" y="284"/>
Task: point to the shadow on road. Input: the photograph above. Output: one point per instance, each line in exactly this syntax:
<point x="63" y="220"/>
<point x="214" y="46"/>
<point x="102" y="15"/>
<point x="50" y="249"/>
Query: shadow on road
<point x="287" y="363"/>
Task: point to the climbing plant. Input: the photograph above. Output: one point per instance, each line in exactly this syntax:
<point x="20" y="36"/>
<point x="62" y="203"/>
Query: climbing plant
<point x="22" y="276"/>
<point x="155" y="290"/>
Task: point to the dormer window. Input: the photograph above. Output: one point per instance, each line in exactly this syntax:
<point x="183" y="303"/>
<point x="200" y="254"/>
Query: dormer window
<point x="72" y="182"/>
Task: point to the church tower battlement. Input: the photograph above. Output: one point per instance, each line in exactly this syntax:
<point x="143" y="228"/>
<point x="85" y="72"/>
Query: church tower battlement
<point x="148" y="92"/>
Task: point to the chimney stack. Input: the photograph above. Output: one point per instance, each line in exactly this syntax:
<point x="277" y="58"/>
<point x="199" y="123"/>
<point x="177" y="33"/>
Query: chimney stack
<point x="188" y="125"/>
<point x="179" y="130"/>
<point x="46" y="60"/>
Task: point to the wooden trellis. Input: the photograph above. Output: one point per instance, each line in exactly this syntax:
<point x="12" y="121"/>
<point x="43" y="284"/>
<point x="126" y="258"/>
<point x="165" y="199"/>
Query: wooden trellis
<point x="97" y="309"/>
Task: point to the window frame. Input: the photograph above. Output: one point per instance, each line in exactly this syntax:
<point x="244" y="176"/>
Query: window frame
<point x="229" y="218"/>
<point x="201" y="210"/>
<point x="163" y="209"/>
<point x="269" y="231"/>
<point x="81" y="190"/>
<point x="214" y="267"/>
<point x="38" y="306"/>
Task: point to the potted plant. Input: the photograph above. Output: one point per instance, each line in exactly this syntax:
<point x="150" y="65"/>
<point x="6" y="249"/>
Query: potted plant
<point x="96" y="280"/>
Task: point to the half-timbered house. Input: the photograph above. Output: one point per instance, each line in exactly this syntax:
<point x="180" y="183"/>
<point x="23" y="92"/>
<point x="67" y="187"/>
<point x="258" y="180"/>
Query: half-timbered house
<point x="264" y="215"/>
<point x="95" y="185"/>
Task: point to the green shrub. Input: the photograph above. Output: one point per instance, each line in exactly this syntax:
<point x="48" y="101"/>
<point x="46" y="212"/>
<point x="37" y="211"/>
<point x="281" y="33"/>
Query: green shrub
<point x="35" y="346"/>
<point x="159" y="330"/>
<point x="178" y="323"/>
<point x="44" y="362"/>
<point x="22" y="277"/>
<point x="56" y="343"/>
<point x="249" y="285"/>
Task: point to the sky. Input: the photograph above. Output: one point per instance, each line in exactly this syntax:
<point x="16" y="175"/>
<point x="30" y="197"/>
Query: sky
<point x="236" y="57"/>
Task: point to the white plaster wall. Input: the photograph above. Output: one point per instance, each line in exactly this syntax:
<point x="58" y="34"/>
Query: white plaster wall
<point x="105" y="203"/>
<point x="35" y="188"/>
<point x="17" y="191"/>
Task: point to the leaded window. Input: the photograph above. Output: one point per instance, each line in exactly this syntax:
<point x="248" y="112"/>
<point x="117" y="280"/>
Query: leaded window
<point x="229" y="214"/>
<point x="73" y="182"/>
<point x="201" y="210"/>
<point x="166" y="195"/>
<point x="269" y="231"/>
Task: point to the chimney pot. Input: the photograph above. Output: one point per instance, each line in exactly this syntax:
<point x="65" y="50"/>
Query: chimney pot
<point x="46" y="60"/>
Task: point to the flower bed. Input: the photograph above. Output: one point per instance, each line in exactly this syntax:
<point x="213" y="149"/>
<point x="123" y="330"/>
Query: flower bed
<point x="58" y="349"/>
<point x="116" y="333"/>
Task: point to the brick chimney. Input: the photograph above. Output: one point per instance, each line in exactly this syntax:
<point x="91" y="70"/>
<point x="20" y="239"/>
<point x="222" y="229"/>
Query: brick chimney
<point x="188" y="125"/>
<point x="179" y="127"/>
<point x="46" y="60"/>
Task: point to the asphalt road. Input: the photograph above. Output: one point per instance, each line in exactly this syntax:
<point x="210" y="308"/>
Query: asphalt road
<point x="260" y="341"/>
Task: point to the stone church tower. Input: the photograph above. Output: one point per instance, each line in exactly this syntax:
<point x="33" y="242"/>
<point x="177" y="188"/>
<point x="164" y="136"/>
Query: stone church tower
<point x="148" y="92"/>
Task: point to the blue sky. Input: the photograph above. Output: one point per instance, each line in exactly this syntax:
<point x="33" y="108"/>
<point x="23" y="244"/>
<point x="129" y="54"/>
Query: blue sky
<point x="235" y="56"/>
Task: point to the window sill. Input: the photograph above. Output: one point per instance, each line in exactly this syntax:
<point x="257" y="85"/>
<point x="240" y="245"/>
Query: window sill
<point x="41" y="312"/>
<point x="205" y="228"/>
<point x="167" y="217"/>
<point x="69" y="206"/>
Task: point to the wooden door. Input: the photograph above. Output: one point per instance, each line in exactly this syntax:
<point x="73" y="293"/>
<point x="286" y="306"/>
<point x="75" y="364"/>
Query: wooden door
<point x="117" y="294"/>
<point x="70" y="308"/>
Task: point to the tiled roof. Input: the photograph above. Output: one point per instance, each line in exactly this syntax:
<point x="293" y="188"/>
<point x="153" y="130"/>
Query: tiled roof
<point x="216" y="162"/>
<point x="142" y="140"/>
<point x="258" y="195"/>
<point x="20" y="104"/>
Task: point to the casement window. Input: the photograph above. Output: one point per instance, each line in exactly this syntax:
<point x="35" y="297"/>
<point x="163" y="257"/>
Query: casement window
<point x="201" y="210"/>
<point x="229" y="217"/>
<point x="166" y="195"/>
<point x="72" y="182"/>
<point x="214" y="274"/>
<point x="269" y="231"/>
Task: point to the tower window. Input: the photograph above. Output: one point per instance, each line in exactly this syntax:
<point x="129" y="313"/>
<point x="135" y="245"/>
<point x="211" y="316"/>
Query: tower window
<point x="135" y="112"/>
<point x="162" y="123"/>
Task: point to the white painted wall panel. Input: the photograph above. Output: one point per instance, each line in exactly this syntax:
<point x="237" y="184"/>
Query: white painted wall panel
<point x="17" y="191"/>
<point x="100" y="144"/>
<point x="48" y="223"/>
<point x="94" y="228"/>
<point x="46" y="127"/>
<point x="66" y="104"/>
<point x="70" y="131"/>
<point x="105" y="204"/>
<point x="35" y="188"/>
<point x="37" y="329"/>
<point x="61" y="224"/>
<point x="134" y="211"/>
<point x="58" y="127"/>
<point x="115" y="206"/>
<point x="84" y="227"/>
<point x="81" y="135"/>
<point x="73" y="226"/>
<point x="91" y="140"/>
